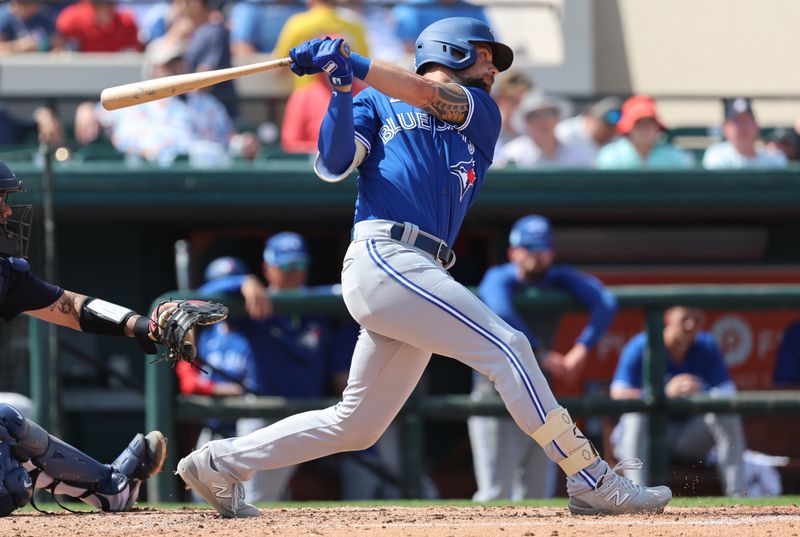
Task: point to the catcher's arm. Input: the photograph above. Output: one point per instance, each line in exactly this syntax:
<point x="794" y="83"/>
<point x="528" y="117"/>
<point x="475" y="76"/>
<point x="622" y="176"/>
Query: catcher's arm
<point x="171" y="324"/>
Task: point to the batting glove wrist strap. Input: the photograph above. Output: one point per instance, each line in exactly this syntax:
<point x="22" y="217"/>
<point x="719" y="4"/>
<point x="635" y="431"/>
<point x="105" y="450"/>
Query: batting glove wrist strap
<point x="330" y="58"/>
<point x="360" y="65"/>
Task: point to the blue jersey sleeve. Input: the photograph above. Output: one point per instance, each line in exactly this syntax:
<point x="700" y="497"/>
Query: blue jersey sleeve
<point x="364" y="118"/>
<point x="629" y="367"/>
<point x="715" y="371"/>
<point x="497" y="291"/>
<point x="601" y="302"/>
<point x="787" y="363"/>
<point x="22" y="291"/>
<point x="482" y="126"/>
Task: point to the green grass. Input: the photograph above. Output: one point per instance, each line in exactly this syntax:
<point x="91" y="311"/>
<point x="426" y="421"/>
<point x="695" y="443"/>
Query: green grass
<point x="707" y="501"/>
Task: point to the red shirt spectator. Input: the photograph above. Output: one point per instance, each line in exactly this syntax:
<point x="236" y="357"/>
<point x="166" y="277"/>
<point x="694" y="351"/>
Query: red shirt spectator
<point x="305" y="110"/>
<point x="97" y="26"/>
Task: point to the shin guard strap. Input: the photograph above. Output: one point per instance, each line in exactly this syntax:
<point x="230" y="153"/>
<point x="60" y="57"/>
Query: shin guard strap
<point x="559" y="427"/>
<point x="555" y="424"/>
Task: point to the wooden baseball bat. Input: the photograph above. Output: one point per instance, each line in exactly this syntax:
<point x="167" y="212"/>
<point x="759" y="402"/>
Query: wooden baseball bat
<point x="159" y="88"/>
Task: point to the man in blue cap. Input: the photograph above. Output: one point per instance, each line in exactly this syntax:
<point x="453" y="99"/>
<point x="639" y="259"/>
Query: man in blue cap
<point x="507" y="464"/>
<point x="298" y="356"/>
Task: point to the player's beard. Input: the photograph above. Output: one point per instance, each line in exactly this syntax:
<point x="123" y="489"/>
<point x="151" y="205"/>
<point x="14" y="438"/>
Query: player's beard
<point x="473" y="82"/>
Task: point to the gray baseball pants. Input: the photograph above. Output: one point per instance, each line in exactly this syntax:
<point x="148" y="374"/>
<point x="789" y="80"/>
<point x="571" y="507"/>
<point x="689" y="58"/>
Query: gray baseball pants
<point x="409" y="307"/>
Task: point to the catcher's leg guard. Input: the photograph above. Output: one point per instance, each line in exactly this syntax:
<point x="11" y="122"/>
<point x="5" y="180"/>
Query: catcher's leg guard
<point x="64" y="469"/>
<point x="15" y="484"/>
<point x="558" y="427"/>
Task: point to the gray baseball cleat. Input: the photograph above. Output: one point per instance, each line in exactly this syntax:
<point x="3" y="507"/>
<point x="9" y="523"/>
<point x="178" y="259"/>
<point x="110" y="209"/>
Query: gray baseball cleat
<point x="198" y="472"/>
<point x="615" y="494"/>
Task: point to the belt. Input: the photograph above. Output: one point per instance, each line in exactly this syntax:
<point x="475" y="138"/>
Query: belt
<point x="411" y="234"/>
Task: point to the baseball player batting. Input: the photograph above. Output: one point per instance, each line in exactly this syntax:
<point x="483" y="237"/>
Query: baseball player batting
<point x="422" y="143"/>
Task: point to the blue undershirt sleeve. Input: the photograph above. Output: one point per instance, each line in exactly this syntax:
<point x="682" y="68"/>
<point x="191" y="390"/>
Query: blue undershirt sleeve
<point x="336" y="144"/>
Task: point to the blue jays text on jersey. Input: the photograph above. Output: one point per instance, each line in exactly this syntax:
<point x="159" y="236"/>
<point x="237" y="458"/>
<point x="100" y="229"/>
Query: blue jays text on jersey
<point x="421" y="169"/>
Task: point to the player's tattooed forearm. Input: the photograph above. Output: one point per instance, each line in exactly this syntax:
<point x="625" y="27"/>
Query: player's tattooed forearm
<point x="449" y="103"/>
<point x="65" y="305"/>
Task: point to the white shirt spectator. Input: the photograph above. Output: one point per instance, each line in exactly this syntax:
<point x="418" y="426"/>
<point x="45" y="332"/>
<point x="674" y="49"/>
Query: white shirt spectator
<point x="523" y="153"/>
<point x="573" y="131"/>
<point x="723" y="156"/>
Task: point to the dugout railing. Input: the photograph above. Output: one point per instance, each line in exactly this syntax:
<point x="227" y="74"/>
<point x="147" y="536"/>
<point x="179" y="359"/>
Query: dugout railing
<point x="165" y="409"/>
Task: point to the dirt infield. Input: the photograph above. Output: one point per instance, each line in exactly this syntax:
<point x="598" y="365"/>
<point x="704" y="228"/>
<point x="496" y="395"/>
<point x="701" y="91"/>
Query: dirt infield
<point x="439" y="521"/>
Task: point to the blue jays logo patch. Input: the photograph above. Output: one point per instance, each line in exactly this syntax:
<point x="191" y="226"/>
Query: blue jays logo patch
<point x="465" y="171"/>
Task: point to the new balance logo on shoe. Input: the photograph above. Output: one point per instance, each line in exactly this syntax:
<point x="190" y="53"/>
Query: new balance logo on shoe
<point x="221" y="491"/>
<point x="617" y="497"/>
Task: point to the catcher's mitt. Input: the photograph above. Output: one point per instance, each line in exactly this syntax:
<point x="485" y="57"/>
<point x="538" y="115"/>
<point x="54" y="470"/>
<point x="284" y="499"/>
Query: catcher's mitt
<point x="173" y="322"/>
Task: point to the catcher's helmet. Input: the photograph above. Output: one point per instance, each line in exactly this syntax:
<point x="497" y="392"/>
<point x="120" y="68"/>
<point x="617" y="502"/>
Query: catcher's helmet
<point x="15" y="230"/>
<point x="449" y="42"/>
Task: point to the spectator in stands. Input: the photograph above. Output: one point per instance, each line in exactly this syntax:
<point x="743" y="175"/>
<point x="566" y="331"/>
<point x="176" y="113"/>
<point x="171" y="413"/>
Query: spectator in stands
<point x="741" y="136"/>
<point x="27" y="26"/>
<point x="15" y="130"/>
<point x="787" y="362"/>
<point x="508" y="465"/>
<point x="380" y="24"/>
<point x="320" y="20"/>
<point x="305" y="110"/>
<point x="539" y="147"/>
<point x="194" y="124"/>
<point x="255" y="26"/>
<point x="202" y="27"/>
<point x="97" y="26"/>
<point x="641" y="145"/>
<point x="785" y="140"/>
<point x="695" y="365"/>
<point x="223" y="352"/>
<point x="508" y="93"/>
<point x="416" y="15"/>
<point x="594" y="127"/>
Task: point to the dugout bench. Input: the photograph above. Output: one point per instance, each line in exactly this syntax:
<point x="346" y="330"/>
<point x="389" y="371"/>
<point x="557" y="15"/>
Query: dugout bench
<point x="164" y="408"/>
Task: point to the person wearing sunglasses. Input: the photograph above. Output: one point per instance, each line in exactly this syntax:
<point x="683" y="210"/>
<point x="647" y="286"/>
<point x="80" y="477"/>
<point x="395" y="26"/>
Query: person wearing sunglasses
<point x="594" y="127"/>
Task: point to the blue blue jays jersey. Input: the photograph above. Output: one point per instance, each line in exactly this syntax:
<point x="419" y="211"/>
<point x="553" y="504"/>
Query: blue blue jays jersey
<point x="501" y="283"/>
<point x="289" y="356"/>
<point x="703" y="359"/>
<point x="22" y="291"/>
<point x="421" y="169"/>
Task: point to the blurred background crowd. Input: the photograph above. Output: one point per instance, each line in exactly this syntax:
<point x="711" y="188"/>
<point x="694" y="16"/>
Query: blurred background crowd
<point x="548" y="124"/>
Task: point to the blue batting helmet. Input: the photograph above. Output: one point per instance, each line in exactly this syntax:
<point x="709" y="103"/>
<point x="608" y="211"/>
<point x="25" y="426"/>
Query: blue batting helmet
<point x="449" y="42"/>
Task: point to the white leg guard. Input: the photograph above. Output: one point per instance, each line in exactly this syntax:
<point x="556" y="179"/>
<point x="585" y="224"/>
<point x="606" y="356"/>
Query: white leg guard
<point x="558" y="427"/>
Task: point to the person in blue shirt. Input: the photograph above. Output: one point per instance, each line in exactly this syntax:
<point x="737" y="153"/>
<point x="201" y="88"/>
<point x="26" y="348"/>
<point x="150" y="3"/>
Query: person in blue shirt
<point x="221" y="351"/>
<point x="507" y="465"/>
<point x="695" y="365"/>
<point x="422" y="143"/>
<point x="255" y="26"/>
<point x="293" y="356"/>
<point x="787" y="362"/>
<point x="414" y="16"/>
